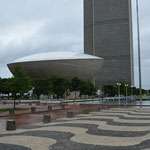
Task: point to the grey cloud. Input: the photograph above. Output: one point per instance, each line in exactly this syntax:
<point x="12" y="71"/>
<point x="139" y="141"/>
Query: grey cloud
<point x="61" y="31"/>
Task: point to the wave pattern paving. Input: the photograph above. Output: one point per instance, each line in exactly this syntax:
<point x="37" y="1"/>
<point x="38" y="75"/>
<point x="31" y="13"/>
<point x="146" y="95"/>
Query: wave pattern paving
<point x="114" y="129"/>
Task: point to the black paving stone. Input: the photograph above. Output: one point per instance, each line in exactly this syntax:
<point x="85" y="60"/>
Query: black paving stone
<point x="122" y="117"/>
<point x="111" y="122"/>
<point x="64" y="142"/>
<point x="93" y="130"/>
<point x="12" y="147"/>
<point x="64" y="138"/>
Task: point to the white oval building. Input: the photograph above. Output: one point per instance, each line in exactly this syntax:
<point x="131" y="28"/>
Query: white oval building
<point x="66" y="64"/>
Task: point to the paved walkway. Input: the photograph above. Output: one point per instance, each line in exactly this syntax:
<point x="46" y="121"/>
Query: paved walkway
<point x="114" y="129"/>
<point x="27" y="107"/>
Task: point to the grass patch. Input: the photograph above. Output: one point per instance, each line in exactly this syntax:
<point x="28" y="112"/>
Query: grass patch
<point x="8" y="109"/>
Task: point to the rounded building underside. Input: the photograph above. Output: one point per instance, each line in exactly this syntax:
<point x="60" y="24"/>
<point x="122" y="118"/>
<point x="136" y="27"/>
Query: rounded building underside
<point x="76" y="65"/>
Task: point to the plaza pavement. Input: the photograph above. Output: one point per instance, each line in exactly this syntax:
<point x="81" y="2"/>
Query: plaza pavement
<point x="27" y="107"/>
<point x="114" y="129"/>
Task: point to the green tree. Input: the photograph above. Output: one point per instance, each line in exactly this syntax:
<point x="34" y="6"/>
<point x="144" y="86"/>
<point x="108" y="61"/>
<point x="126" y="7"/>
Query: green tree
<point x="149" y="92"/>
<point x="41" y="86"/>
<point x="58" y="85"/>
<point x="134" y="90"/>
<point x="20" y="83"/>
<point x="83" y="88"/>
<point x="123" y="88"/>
<point x="138" y="91"/>
<point x="75" y="85"/>
<point x="109" y="90"/>
<point x="4" y="86"/>
<point x="90" y="89"/>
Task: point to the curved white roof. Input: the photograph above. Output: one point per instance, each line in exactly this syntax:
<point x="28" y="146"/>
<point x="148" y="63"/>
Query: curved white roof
<point x="67" y="64"/>
<point x="60" y="55"/>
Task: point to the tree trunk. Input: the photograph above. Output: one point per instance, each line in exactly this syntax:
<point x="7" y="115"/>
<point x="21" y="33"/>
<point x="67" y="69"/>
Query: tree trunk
<point x="64" y="96"/>
<point x="22" y="96"/>
<point x="14" y="102"/>
<point x="75" y="96"/>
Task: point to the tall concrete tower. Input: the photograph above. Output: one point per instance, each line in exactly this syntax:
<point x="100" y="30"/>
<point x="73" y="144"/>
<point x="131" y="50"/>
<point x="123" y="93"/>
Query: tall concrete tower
<point x="108" y="34"/>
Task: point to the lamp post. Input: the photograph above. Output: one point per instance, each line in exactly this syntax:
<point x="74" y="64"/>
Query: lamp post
<point x="139" y="53"/>
<point x="132" y="93"/>
<point x="93" y="27"/>
<point x="126" y="85"/>
<point x="118" y="84"/>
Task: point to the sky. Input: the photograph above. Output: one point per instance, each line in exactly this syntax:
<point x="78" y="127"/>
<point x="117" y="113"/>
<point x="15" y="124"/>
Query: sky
<point x="34" y="26"/>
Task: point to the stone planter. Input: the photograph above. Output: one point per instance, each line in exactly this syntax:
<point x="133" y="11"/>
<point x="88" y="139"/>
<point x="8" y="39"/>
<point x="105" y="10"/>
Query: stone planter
<point x="33" y="109"/>
<point x="86" y="111"/>
<point x="107" y="107"/>
<point x="98" y="109"/>
<point x="11" y="125"/>
<point x="70" y="114"/>
<point x="50" y="108"/>
<point x="46" y="118"/>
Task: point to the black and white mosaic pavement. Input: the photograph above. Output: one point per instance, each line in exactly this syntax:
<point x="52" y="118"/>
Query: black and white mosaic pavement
<point x="114" y="129"/>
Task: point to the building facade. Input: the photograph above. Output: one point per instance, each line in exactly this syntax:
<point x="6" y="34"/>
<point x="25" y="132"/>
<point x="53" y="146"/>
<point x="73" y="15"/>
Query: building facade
<point x="108" y="34"/>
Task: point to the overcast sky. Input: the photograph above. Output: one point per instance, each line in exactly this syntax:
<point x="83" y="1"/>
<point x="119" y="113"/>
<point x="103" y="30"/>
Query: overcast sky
<point x="32" y="26"/>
